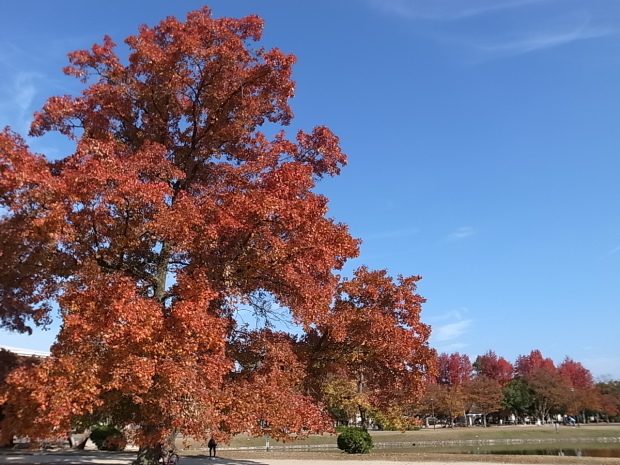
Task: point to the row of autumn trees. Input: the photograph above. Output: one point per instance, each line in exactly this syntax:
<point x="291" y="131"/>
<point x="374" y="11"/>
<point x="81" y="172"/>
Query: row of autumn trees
<point x="174" y="216"/>
<point x="533" y="387"/>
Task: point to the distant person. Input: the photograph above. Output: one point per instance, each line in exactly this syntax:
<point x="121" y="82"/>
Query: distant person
<point x="212" y="447"/>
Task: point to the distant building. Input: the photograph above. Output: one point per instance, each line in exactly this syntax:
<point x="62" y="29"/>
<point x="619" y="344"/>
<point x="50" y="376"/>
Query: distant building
<point x="26" y="352"/>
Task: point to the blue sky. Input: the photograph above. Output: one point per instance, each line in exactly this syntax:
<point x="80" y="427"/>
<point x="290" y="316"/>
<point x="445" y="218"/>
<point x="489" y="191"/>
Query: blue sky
<point x="482" y="137"/>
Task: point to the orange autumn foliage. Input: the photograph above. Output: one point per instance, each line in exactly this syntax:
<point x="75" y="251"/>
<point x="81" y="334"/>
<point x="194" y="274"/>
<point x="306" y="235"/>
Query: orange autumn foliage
<point x="374" y="337"/>
<point x="174" y="214"/>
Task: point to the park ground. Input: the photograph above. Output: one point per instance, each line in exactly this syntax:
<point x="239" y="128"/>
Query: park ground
<point x="430" y="448"/>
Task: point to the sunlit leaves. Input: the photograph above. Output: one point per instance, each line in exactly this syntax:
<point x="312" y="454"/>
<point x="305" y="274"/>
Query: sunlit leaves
<point x="373" y="338"/>
<point x="173" y="213"/>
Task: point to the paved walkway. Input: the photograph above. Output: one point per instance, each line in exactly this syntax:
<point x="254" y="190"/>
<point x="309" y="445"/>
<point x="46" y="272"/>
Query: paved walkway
<point x="102" y="458"/>
<point x="123" y="458"/>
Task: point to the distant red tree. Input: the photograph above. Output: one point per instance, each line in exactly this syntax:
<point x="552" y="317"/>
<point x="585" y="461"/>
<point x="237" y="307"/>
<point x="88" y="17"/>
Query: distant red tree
<point x="494" y="367"/>
<point x="454" y="369"/>
<point x="584" y="394"/>
<point x="551" y="391"/>
<point x="578" y="375"/>
<point x="609" y="392"/>
<point x="525" y="364"/>
<point x="483" y="394"/>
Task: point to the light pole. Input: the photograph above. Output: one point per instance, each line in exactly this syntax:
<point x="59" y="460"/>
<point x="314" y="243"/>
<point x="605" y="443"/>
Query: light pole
<point x="572" y="391"/>
<point x="433" y="412"/>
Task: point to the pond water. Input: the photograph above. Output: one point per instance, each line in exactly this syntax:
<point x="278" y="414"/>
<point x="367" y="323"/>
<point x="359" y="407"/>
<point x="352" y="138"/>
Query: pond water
<point x="579" y="452"/>
<point x="560" y="449"/>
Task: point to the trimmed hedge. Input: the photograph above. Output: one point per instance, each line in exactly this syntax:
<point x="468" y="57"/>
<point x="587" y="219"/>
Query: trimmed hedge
<point x="355" y="441"/>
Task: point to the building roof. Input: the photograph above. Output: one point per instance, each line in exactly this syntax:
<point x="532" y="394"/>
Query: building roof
<point x="26" y="352"/>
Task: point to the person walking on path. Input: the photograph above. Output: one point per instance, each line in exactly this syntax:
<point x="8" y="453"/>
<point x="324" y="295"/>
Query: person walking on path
<point x="212" y="447"/>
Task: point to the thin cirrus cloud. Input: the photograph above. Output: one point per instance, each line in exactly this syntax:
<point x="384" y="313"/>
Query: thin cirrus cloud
<point x="448" y="9"/>
<point x="16" y="97"/>
<point x="449" y="337"/>
<point x="448" y="330"/>
<point x="451" y="331"/>
<point x="529" y="25"/>
<point x="545" y="39"/>
<point x="614" y="250"/>
<point x="392" y="234"/>
<point x="461" y="233"/>
<point x="18" y="87"/>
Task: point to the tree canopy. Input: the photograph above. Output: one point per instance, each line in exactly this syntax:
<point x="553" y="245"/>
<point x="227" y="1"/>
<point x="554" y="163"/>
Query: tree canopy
<point x="174" y="214"/>
<point x="531" y="389"/>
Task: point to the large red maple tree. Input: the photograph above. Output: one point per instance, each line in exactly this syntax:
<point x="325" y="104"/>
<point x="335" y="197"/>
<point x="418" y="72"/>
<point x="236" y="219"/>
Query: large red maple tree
<point x="174" y="214"/>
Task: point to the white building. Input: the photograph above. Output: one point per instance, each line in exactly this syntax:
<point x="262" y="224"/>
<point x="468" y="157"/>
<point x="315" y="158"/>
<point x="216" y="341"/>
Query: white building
<point x="26" y="352"/>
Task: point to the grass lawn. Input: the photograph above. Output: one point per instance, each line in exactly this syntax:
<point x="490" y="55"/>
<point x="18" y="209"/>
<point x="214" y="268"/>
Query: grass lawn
<point x="451" y="435"/>
<point x="439" y="445"/>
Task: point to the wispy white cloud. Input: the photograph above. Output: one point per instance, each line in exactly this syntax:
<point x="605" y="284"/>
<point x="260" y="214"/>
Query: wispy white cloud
<point x="462" y="233"/>
<point x="614" y="250"/>
<point x="451" y="315"/>
<point x="451" y="348"/>
<point x="393" y="234"/>
<point x="545" y="39"/>
<point x="529" y="25"/>
<point x="451" y="331"/>
<point x="25" y="89"/>
<point x="16" y="97"/>
<point x="20" y="85"/>
<point x="20" y="96"/>
<point x="448" y="9"/>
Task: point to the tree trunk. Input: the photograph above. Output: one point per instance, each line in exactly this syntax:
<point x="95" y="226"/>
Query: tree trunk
<point x="82" y="444"/>
<point x="361" y="408"/>
<point x="148" y="455"/>
<point x="161" y="271"/>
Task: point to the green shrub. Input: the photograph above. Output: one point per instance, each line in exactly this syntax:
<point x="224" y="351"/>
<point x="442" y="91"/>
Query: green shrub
<point x="355" y="441"/>
<point x="108" y="438"/>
